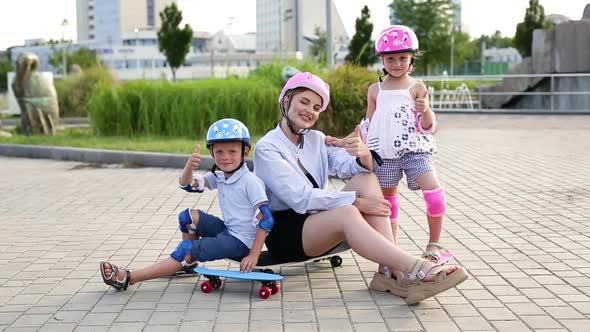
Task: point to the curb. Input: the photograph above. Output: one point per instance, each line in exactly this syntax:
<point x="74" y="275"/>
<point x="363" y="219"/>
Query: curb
<point x="128" y="158"/>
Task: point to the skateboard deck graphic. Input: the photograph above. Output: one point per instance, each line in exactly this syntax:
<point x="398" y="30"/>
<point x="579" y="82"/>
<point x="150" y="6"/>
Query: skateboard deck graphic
<point x="269" y="281"/>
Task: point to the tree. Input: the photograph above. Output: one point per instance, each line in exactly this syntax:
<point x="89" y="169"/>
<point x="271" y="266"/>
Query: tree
<point x="361" y="46"/>
<point x="318" y="46"/>
<point x="431" y="20"/>
<point x="5" y="67"/>
<point x="534" y="18"/>
<point x="174" y="42"/>
<point x="83" y="57"/>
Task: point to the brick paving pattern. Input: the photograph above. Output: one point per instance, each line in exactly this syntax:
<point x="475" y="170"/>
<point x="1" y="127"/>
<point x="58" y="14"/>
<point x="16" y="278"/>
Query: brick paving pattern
<point x="518" y="195"/>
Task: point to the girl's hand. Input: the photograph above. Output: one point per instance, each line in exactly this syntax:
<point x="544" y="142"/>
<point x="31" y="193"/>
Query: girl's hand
<point x="373" y="206"/>
<point x="422" y="104"/>
<point x="195" y="159"/>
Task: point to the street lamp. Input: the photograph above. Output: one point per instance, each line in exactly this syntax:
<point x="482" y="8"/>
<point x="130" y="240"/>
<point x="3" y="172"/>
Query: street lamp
<point x="64" y="24"/>
<point x="452" y="49"/>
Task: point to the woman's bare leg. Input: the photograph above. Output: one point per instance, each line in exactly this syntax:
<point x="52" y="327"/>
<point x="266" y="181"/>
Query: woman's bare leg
<point x="324" y="230"/>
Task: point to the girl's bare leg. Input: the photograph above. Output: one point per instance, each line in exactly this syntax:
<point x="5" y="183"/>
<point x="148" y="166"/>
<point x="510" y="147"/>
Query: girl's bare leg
<point x="394" y="229"/>
<point x="429" y="181"/>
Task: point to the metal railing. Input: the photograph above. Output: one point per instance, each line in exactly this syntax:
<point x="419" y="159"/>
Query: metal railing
<point x="518" y="93"/>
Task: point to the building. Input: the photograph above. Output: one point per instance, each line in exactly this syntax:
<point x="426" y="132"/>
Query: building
<point x="281" y="29"/>
<point x="106" y="20"/>
<point x="456" y="21"/>
<point x="499" y="60"/>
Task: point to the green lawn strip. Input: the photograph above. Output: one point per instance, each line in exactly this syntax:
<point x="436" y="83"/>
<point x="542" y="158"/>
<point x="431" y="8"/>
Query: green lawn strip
<point x="81" y="138"/>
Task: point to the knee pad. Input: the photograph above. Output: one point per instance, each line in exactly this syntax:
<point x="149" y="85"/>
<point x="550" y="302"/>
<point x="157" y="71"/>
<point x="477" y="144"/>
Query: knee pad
<point x="184" y="247"/>
<point x="267" y="222"/>
<point x="436" y="203"/>
<point x="185" y="222"/>
<point x="394" y="200"/>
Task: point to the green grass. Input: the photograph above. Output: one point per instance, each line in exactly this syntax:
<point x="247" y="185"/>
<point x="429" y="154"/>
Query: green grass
<point x="83" y="138"/>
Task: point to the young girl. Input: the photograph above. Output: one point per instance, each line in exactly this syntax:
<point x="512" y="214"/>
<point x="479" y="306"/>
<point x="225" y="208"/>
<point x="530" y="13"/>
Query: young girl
<point x="400" y="127"/>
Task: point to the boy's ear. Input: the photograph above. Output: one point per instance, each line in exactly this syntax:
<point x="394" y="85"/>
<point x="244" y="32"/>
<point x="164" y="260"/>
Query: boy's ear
<point x="246" y="151"/>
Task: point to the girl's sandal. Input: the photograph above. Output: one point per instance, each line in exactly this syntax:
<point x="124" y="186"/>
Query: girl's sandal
<point x="433" y="253"/>
<point x="112" y="280"/>
<point x="418" y="289"/>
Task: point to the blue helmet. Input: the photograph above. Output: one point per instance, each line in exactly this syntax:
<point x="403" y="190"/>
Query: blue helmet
<point x="228" y="130"/>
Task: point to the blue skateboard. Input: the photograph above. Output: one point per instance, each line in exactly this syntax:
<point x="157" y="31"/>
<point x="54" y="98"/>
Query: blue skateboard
<point x="269" y="281"/>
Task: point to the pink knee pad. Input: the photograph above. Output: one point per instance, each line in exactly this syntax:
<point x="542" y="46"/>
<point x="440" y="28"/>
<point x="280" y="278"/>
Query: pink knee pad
<point x="436" y="204"/>
<point x="394" y="200"/>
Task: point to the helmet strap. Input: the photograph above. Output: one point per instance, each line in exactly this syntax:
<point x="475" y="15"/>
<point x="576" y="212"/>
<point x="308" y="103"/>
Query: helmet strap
<point x="285" y="113"/>
<point x="385" y="72"/>
<point x="214" y="168"/>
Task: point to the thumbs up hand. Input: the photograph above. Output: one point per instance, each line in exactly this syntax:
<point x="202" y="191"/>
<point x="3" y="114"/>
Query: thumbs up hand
<point x="195" y="159"/>
<point x="422" y="103"/>
<point x="354" y="145"/>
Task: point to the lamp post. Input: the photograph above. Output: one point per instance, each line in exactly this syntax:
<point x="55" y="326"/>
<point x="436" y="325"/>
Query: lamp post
<point x="64" y="24"/>
<point x="452" y="50"/>
<point x="329" y="49"/>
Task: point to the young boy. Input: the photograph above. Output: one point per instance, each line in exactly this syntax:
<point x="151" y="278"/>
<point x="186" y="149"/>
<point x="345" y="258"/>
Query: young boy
<point x="205" y="237"/>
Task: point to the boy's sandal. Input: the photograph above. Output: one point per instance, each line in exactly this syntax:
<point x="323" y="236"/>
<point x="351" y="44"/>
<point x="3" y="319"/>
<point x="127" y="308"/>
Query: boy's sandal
<point x="433" y="253"/>
<point x="187" y="270"/>
<point x="418" y="289"/>
<point x="112" y="280"/>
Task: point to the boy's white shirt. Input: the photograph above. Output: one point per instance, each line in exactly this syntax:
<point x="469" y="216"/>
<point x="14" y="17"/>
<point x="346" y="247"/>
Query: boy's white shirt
<point x="238" y="197"/>
<point x="276" y="163"/>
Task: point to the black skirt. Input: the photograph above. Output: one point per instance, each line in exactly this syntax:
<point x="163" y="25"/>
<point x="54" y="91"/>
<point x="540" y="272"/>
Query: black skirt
<point x="285" y="241"/>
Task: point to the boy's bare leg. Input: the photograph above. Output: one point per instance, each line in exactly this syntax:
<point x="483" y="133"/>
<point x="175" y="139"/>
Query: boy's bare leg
<point x="160" y="269"/>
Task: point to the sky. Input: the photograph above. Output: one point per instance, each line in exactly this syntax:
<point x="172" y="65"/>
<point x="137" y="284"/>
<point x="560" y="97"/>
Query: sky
<point x="30" y="19"/>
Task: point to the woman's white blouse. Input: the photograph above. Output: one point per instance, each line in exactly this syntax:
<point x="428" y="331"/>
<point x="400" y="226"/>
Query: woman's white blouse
<point x="287" y="186"/>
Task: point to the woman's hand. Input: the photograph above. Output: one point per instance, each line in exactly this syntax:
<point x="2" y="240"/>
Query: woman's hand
<point x="373" y="206"/>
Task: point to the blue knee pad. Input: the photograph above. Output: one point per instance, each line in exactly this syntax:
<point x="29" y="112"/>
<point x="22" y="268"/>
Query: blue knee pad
<point x="267" y="222"/>
<point x="184" y="247"/>
<point x="184" y="220"/>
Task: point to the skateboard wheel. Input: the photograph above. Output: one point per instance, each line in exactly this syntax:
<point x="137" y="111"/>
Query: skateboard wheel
<point x="206" y="287"/>
<point x="268" y="271"/>
<point x="264" y="292"/>
<point x="335" y="261"/>
<point x="217" y="283"/>
<point x="275" y="288"/>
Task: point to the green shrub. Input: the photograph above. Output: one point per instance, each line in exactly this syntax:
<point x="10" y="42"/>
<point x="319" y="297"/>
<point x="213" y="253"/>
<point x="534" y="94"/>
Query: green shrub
<point x="348" y="99"/>
<point x="74" y="91"/>
<point x="184" y="108"/>
<point x="271" y="72"/>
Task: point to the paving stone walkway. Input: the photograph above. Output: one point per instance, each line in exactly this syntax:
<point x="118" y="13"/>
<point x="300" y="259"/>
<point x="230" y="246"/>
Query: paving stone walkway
<point x="518" y="193"/>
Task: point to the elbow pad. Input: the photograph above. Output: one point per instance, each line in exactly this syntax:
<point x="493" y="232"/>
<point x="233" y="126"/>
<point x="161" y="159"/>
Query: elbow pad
<point x="267" y="222"/>
<point x="189" y="187"/>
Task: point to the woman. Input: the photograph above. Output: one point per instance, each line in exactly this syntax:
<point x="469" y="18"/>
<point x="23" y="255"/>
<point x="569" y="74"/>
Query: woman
<point x="294" y="162"/>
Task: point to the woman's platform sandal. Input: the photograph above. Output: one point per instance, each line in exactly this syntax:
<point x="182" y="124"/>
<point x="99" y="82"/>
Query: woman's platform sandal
<point x="387" y="282"/>
<point x="418" y="289"/>
<point x="113" y="281"/>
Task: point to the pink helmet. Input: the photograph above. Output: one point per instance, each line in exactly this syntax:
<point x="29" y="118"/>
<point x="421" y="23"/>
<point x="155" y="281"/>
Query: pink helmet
<point x="310" y="81"/>
<point x="396" y="39"/>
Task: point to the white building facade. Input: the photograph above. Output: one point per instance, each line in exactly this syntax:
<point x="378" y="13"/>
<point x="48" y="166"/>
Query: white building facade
<point x="282" y="29"/>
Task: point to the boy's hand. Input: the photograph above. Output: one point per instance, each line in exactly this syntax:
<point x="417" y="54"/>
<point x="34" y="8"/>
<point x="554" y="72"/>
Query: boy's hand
<point x="249" y="262"/>
<point x="422" y="104"/>
<point x="195" y="159"/>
